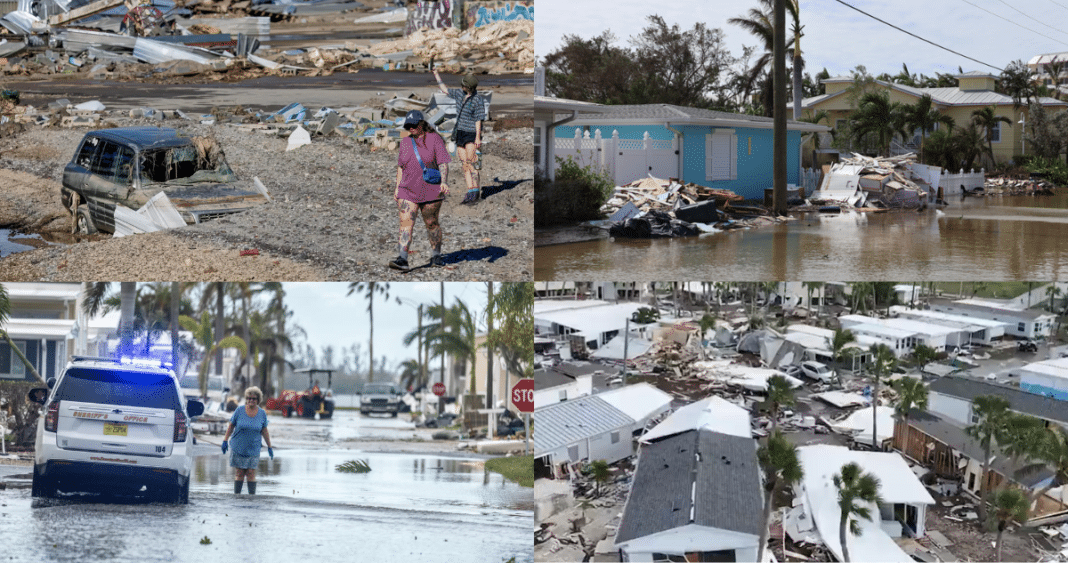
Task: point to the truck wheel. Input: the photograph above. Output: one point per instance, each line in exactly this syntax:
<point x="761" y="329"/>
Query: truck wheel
<point x="84" y="224"/>
<point x="42" y="486"/>
<point x="393" y="414"/>
<point x="183" y="494"/>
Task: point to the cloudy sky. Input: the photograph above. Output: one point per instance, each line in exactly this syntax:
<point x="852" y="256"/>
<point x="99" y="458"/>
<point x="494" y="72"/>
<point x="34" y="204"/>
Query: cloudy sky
<point x="838" y="38"/>
<point x="332" y="318"/>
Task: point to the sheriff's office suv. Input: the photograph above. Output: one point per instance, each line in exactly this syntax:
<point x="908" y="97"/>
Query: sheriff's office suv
<point x="114" y="426"/>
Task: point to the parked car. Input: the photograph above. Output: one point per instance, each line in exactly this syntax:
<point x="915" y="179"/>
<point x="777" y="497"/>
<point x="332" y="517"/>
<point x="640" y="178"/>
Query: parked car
<point x="817" y="371"/>
<point x="380" y="398"/>
<point x="126" y="167"/>
<point x="791" y="370"/>
<point x="1027" y="346"/>
<point x="114" y="426"/>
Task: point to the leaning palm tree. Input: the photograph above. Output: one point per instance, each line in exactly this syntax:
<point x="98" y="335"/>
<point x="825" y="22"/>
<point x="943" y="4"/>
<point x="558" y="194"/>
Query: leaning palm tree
<point x="883" y="362"/>
<point x="780" y="395"/>
<point x="204" y="335"/>
<point x="778" y="460"/>
<point x="856" y="492"/>
<point x="1008" y="505"/>
<point x="1053" y="452"/>
<point x="992" y="412"/>
<point x="988" y="120"/>
<point x="369" y="290"/>
<point x="911" y="393"/>
<point x="1021" y="438"/>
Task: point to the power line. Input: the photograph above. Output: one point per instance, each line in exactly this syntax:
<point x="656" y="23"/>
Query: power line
<point x="1014" y="23"/>
<point x="916" y="36"/>
<point x="1032" y="18"/>
<point x="1059" y="4"/>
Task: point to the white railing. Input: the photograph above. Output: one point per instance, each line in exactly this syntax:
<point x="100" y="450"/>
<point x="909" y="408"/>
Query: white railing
<point x="951" y="183"/>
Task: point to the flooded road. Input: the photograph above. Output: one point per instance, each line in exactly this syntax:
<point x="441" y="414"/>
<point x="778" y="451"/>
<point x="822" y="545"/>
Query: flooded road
<point x="991" y="239"/>
<point x="410" y="507"/>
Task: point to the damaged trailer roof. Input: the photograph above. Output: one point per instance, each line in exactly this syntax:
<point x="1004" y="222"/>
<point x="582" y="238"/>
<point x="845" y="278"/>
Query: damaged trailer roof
<point x="714" y="413"/>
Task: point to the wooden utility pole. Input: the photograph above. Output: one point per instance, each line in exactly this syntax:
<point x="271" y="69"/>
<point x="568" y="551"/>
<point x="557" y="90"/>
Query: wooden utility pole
<point x="779" y="111"/>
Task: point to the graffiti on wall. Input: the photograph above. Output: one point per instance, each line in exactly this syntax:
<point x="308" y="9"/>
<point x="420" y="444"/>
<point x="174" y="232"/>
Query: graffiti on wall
<point x="435" y="14"/>
<point x="478" y="14"/>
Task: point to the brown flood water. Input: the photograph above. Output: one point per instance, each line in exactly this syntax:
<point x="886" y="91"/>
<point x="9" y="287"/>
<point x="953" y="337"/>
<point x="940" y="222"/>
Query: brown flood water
<point x="989" y="239"/>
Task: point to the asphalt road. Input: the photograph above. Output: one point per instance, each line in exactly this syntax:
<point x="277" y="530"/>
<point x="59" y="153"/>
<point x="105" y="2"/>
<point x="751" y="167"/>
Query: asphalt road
<point x="411" y="507"/>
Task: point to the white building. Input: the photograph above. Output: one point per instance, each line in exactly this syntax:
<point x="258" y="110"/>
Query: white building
<point x="555" y="385"/>
<point x="595" y="427"/>
<point x="597" y="321"/>
<point x="696" y="496"/>
<point x="902" y="512"/>
<point x="1022" y="323"/>
<point x="1048" y="378"/>
<point x="933" y="335"/>
<point x="900" y="341"/>
<point x="979" y="330"/>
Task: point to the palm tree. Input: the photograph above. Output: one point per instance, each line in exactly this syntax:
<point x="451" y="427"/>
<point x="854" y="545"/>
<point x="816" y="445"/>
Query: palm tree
<point x="883" y="362"/>
<point x="600" y="472"/>
<point x="760" y="22"/>
<point x="1053" y="291"/>
<point x="1054" y="453"/>
<point x="911" y="393"/>
<point x="778" y="460"/>
<point x="369" y="289"/>
<point x="780" y="395"/>
<point x="5" y="313"/>
<point x="204" y="335"/>
<point x="992" y="412"/>
<point x="452" y="334"/>
<point x="512" y="309"/>
<point x="988" y="120"/>
<point x="856" y="491"/>
<point x="1022" y="437"/>
<point x="922" y="115"/>
<point x="411" y="373"/>
<point x="842" y="338"/>
<point x="876" y="115"/>
<point x="1009" y="505"/>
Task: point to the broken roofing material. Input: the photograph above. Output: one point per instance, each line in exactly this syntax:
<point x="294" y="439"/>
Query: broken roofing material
<point x="714" y="413"/>
<point x="753" y="379"/>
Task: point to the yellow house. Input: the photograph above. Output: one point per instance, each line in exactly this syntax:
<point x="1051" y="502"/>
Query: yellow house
<point x="503" y="379"/>
<point x="975" y="91"/>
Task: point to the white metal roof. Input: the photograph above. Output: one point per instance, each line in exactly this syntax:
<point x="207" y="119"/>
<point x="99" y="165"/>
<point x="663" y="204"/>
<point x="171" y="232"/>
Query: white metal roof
<point x="820" y="498"/>
<point x="1053" y="368"/>
<point x="970" y="323"/>
<point x="638" y="401"/>
<point x="714" y="413"/>
<point x="859" y="424"/>
<point x="842" y="399"/>
<point x="865" y="324"/>
<point x="550" y="305"/>
<point x="591" y="320"/>
<point x="752" y="378"/>
<point x="613" y="350"/>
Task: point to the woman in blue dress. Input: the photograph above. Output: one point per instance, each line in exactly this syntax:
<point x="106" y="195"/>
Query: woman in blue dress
<point x="246" y="426"/>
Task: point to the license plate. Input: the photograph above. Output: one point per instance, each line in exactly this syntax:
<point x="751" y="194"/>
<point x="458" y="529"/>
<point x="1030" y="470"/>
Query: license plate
<point x="114" y="429"/>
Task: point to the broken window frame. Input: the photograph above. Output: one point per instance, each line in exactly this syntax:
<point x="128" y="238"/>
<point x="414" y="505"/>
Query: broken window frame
<point x="150" y="171"/>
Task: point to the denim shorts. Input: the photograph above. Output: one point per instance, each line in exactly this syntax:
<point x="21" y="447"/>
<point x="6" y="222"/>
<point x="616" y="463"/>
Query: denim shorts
<point x="244" y="461"/>
<point x="464" y="138"/>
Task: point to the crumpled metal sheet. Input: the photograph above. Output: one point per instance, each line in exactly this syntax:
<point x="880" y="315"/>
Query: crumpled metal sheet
<point x="156" y="52"/>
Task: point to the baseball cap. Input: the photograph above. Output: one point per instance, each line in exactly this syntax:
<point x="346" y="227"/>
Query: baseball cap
<point x="413" y="118"/>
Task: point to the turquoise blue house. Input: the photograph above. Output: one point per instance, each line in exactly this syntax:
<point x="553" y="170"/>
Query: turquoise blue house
<point x="710" y="148"/>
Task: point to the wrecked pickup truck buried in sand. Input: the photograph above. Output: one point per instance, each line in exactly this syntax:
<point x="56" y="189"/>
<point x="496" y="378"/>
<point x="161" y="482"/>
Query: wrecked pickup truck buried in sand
<point x="140" y="179"/>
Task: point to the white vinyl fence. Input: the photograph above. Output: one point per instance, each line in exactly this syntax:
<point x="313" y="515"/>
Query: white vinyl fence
<point x="625" y="160"/>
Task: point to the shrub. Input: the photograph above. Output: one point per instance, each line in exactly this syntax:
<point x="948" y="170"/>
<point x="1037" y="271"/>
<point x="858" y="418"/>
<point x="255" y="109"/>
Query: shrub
<point x="577" y="194"/>
<point x="1053" y="169"/>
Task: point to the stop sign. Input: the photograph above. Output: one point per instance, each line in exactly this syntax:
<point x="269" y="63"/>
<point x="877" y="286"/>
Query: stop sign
<point x="523" y="395"/>
<point x="438" y="389"/>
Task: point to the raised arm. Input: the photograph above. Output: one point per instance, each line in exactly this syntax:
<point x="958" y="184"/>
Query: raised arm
<point x="441" y="85"/>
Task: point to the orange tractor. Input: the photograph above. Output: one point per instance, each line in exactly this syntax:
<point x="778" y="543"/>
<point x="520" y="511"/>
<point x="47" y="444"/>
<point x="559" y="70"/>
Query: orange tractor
<point x="309" y="402"/>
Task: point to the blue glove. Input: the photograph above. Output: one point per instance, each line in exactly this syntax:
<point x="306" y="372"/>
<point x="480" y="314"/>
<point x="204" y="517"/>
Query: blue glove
<point x="225" y="446"/>
<point x="270" y="452"/>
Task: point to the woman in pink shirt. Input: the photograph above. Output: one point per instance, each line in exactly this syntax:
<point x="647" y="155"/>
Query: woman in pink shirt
<point x="414" y="195"/>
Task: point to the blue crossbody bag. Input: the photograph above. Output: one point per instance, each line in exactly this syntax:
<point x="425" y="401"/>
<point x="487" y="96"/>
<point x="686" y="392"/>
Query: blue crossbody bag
<point x="430" y="175"/>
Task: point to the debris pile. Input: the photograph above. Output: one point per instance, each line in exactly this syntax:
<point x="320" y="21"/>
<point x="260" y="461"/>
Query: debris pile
<point x="379" y="128"/>
<point x="658" y="208"/>
<point x="1016" y="186"/>
<point x="880" y="182"/>
<point x="499" y="48"/>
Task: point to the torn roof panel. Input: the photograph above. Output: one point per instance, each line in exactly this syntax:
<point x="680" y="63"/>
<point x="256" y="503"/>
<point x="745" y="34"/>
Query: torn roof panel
<point x="714" y="413"/>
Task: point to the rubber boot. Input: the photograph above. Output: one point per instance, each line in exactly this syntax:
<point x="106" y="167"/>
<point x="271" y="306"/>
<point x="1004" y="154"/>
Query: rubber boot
<point x="251" y="487"/>
<point x="237" y="487"/>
